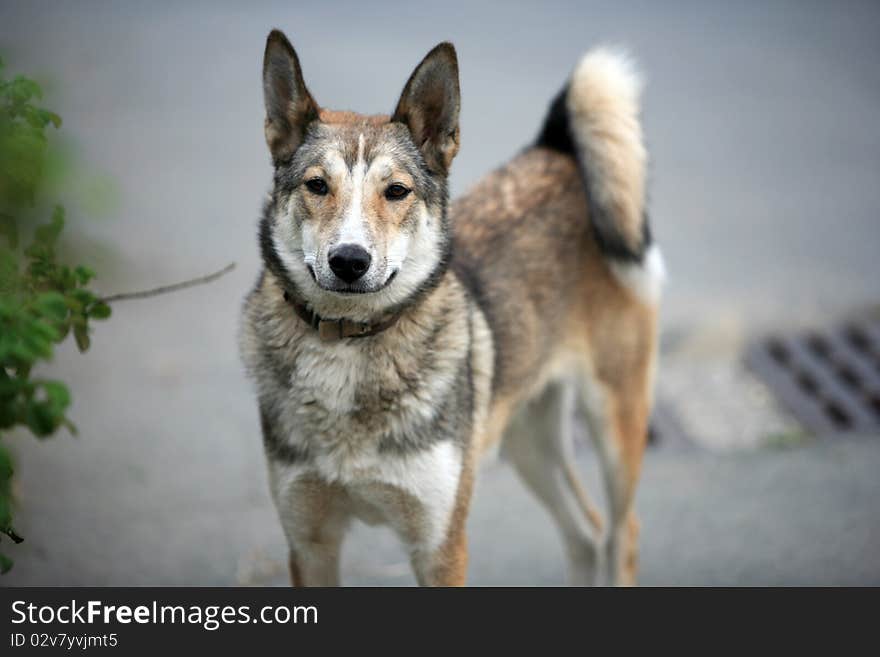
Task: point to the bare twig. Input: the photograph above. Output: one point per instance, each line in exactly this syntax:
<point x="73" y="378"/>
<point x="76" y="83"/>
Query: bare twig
<point x="143" y="294"/>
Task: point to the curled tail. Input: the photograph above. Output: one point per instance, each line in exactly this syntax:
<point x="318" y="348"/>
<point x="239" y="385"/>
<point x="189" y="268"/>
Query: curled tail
<point x="595" y="118"/>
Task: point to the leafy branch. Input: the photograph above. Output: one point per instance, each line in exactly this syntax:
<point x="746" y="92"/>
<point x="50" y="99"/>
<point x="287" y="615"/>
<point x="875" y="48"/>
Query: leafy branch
<point x="42" y="301"/>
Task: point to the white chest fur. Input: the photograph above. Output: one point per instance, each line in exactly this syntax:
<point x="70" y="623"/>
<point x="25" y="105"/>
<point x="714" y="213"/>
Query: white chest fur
<point x="341" y="403"/>
<point x="429" y="477"/>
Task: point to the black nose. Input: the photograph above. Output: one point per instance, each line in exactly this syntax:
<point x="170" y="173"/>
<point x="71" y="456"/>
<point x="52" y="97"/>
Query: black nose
<point x="349" y="262"/>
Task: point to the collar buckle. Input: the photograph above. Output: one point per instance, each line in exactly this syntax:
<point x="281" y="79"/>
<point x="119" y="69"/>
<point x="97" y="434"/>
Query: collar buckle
<point x="330" y="330"/>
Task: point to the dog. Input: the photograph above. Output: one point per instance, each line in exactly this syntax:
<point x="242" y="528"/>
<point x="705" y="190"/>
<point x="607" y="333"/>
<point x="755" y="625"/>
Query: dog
<point x="395" y="339"/>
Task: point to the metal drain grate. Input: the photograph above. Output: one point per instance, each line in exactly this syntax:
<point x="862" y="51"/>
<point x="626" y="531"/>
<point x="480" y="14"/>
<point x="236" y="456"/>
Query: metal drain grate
<point x="829" y="380"/>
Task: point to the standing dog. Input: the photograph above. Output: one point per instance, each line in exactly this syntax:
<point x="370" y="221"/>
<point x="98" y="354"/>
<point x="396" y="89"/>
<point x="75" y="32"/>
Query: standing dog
<point x="395" y="339"/>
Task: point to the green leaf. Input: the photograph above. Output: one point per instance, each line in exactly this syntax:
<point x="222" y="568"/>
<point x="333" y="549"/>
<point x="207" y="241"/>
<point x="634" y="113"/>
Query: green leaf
<point x="83" y="296"/>
<point x="76" y="308"/>
<point x="37" y="345"/>
<point x="5" y="564"/>
<point x="22" y="353"/>
<point x="6" y="471"/>
<point x="47" y="117"/>
<point x="84" y="274"/>
<point x="81" y="334"/>
<point x="24" y="89"/>
<point x="100" y="310"/>
<point x="44" y="331"/>
<point x="9" y="387"/>
<point x="40" y="419"/>
<point x="58" y="395"/>
<point x="53" y="305"/>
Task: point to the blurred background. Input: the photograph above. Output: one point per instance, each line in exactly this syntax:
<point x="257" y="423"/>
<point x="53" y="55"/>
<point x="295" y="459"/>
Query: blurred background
<point x="762" y="124"/>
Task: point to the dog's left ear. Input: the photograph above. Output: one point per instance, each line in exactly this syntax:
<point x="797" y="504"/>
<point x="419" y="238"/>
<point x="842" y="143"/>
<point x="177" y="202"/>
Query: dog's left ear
<point x="429" y="107"/>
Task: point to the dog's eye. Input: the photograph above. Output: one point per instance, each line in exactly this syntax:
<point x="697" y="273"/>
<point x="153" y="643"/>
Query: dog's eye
<point x="317" y="186"/>
<point x="396" y="192"/>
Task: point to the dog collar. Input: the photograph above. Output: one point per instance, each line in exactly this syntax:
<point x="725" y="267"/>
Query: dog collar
<point x="332" y="330"/>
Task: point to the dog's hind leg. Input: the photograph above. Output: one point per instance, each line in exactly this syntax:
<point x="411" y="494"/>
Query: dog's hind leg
<point x="539" y="443"/>
<point x="617" y="413"/>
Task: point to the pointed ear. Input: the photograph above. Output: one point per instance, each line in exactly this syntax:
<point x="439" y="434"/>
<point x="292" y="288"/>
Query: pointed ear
<point x="429" y="107"/>
<point x="289" y="105"/>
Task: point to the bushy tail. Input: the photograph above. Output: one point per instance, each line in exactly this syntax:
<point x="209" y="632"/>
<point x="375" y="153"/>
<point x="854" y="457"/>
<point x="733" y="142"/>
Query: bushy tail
<point x="595" y="118"/>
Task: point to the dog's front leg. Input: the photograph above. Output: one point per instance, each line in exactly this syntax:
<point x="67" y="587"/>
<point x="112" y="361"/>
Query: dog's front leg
<point x="315" y="566"/>
<point x="423" y="495"/>
<point x="439" y="556"/>
<point x="314" y="517"/>
<point x="443" y="566"/>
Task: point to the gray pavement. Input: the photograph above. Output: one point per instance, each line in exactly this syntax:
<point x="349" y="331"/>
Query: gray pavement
<point x="804" y="515"/>
<point x="765" y="155"/>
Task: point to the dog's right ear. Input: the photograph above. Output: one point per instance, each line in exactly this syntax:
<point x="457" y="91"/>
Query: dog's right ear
<point x="289" y="105"/>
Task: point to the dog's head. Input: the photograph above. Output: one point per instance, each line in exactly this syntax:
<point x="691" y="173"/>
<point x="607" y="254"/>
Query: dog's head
<point x="357" y="222"/>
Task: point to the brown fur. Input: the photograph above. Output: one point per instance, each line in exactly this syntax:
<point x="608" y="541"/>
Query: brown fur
<point x="554" y="306"/>
<point x="351" y="118"/>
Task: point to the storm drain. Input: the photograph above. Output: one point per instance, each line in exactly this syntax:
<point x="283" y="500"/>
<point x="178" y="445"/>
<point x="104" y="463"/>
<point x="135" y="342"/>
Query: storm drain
<point x="829" y="380"/>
